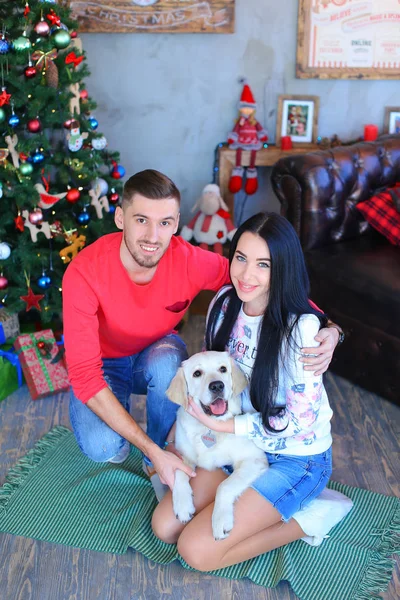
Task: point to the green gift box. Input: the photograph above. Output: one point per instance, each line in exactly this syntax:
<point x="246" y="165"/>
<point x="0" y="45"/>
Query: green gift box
<point x="11" y="377"/>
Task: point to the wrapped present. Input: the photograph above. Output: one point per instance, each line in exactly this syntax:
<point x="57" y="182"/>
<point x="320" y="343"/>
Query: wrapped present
<point x="42" y="363"/>
<point x="10" y="371"/>
<point x="9" y="325"/>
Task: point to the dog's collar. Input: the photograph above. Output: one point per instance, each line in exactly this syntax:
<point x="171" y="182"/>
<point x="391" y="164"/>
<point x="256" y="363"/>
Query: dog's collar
<point x="209" y="439"/>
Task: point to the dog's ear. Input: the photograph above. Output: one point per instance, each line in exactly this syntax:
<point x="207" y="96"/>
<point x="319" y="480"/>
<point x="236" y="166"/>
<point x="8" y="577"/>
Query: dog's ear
<point x="239" y="379"/>
<point x="177" y="391"/>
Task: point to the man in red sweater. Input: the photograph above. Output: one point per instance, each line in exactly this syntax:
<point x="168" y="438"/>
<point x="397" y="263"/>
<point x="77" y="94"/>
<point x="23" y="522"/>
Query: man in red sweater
<point x="122" y="298"/>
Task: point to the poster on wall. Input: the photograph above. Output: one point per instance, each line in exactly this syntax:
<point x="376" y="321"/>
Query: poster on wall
<point x="342" y="39"/>
<point x="155" y="16"/>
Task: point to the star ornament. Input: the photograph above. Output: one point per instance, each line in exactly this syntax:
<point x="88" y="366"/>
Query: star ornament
<point x="4" y="98"/>
<point x="32" y="300"/>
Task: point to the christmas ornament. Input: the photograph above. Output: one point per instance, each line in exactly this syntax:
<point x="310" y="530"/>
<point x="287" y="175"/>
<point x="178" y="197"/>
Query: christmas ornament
<point x="99" y="202"/>
<point x="34" y="125"/>
<point x="84" y="217"/>
<point x="53" y="18"/>
<point x="19" y="222"/>
<point x="30" y="70"/>
<point x="42" y="28"/>
<point x="61" y="39"/>
<point x="247" y="134"/>
<point x="13" y="121"/>
<point x="117" y="171"/>
<point x="22" y="43"/>
<point x="101" y="184"/>
<point x="99" y="143"/>
<point x="75" y="138"/>
<point x="4" y="97"/>
<point x="32" y="300"/>
<point x="75" y="243"/>
<point x="36" y="216"/>
<point x="56" y="229"/>
<point x="2" y="115"/>
<point x="73" y="59"/>
<point x="27" y="10"/>
<point x="73" y="195"/>
<point x="34" y="229"/>
<point x="212" y="225"/>
<point x="75" y="164"/>
<point x="4" y="45"/>
<point x="25" y="168"/>
<point x="44" y="58"/>
<point x="44" y="281"/>
<point x="3" y="282"/>
<point x="73" y="34"/>
<point x="5" y="251"/>
<point x="67" y="123"/>
<point x="48" y="200"/>
<point x="38" y="157"/>
<point x="93" y="123"/>
<point x="84" y="94"/>
<point x="12" y="142"/>
<point x="111" y="209"/>
<point x="113" y="197"/>
<point x="1" y="189"/>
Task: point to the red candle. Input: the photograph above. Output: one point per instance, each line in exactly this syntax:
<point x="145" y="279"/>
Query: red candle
<point x="370" y="133"/>
<point x="286" y="142"/>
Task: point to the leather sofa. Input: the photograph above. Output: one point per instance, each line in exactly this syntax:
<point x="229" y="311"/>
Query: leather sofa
<point x="354" y="271"/>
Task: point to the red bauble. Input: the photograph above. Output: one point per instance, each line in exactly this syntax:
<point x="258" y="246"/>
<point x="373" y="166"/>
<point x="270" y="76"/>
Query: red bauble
<point x="36" y="216"/>
<point x="30" y="72"/>
<point x="34" y="125"/>
<point x="84" y="94"/>
<point x="67" y="124"/>
<point x="114" y="197"/>
<point x="42" y="28"/>
<point x="73" y="34"/>
<point x="3" y="282"/>
<point x="41" y="345"/>
<point x="73" y="195"/>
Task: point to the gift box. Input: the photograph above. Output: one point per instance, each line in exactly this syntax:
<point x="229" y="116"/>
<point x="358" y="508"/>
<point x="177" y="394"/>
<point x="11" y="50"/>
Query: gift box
<point x="42" y="363"/>
<point x="11" y="377"/>
<point x="9" y="325"/>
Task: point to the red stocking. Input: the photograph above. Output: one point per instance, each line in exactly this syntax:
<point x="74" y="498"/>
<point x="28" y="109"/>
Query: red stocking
<point x="236" y="180"/>
<point x="251" y="175"/>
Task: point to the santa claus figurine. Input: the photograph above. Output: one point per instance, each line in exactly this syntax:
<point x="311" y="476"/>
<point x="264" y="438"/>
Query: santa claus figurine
<point x="247" y="134"/>
<point x="212" y="225"/>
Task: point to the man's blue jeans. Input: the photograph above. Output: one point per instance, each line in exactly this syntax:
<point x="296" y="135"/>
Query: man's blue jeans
<point x="149" y="372"/>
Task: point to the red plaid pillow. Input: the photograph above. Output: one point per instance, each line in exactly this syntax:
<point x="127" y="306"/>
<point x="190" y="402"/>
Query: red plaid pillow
<point x="381" y="213"/>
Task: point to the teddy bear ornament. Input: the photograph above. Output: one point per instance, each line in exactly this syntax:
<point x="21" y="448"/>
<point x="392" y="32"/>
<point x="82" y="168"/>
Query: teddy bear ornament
<point x="211" y="225"/>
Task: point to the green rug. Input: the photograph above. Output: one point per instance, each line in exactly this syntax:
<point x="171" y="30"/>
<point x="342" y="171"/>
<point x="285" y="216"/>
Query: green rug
<point x="56" y="494"/>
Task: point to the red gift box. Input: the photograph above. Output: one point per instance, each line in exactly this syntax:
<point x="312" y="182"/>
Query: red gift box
<point x="42" y="365"/>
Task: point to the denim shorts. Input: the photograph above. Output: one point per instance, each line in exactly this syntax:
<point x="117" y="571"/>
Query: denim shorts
<point x="291" y="482"/>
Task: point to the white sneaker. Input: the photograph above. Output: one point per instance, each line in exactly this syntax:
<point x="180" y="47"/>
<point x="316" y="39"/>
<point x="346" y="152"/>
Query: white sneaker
<point x="323" y="513"/>
<point x="160" y="489"/>
<point x="122" y="455"/>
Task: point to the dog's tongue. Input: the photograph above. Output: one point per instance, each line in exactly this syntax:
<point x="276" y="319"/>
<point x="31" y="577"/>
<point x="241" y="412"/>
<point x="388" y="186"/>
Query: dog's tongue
<point x="218" y="407"/>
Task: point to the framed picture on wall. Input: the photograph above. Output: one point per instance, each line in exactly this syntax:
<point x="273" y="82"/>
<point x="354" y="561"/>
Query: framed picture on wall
<point x="348" y="39"/>
<point x="392" y="119"/>
<point x="297" y="117"/>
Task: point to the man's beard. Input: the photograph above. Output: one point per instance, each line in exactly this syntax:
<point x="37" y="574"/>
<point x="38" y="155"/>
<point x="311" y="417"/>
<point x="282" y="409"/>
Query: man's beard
<point x="148" y="262"/>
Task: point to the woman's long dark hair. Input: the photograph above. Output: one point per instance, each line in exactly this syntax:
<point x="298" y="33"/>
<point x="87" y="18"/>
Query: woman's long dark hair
<point x="288" y="298"/>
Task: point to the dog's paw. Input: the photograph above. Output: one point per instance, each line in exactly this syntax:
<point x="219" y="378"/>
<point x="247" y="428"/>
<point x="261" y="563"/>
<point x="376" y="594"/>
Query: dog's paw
<point x="222" y="522"/>
<point x="183" y="507"/>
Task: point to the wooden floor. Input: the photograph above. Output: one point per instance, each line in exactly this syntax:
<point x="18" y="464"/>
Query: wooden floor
<point x="366" y="433"/>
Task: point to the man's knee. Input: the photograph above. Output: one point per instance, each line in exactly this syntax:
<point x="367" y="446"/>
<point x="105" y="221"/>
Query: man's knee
<point x="100" y="450"/>
<point x="166" y="357"/>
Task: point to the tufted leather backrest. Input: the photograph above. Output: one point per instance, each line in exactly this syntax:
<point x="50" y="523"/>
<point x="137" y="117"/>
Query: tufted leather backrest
<point x="318" y="191"/>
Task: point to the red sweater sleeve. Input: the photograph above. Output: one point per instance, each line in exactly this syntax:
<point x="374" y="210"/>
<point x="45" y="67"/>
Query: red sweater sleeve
<point x="81" y="335"/>
<point x="209" y="271"/>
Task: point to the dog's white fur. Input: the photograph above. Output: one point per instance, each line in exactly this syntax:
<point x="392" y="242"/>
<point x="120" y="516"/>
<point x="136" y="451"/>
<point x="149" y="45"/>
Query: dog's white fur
<point x="201" y="377"/>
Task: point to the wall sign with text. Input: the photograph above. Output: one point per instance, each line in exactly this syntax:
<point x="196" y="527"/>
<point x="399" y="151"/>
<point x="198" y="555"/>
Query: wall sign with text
<point x="340" y="39"/>
<point x="155" y="16"/>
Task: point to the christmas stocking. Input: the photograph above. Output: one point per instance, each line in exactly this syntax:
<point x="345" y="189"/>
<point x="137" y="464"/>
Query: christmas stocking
<point x="251" y="181"/>
<point x="236" y="180"/>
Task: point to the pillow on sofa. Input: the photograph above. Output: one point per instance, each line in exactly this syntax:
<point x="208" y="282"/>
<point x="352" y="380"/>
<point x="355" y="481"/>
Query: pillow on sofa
<point x="381" y="213"/>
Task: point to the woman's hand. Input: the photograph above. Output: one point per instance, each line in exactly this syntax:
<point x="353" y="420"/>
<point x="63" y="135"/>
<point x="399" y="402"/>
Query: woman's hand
<point x="328" y="338"/>
<point x="215" y="424"/>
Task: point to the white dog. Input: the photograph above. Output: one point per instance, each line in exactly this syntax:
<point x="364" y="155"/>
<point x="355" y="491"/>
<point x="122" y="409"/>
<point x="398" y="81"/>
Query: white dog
<point x="215" y="382"/>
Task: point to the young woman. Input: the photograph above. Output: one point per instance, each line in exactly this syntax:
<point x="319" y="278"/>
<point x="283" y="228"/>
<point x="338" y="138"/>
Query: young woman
<point x="263" y="321"/>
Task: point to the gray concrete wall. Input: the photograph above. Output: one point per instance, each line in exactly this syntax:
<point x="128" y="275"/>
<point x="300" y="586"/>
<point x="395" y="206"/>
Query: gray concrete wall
<point x="166" y="100"/>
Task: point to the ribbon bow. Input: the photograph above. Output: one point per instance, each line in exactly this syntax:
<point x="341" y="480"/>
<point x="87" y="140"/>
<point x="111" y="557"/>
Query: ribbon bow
<point x="40" y="56"/>
<point x="73" y="59"/>
<point x="53" y="18"/>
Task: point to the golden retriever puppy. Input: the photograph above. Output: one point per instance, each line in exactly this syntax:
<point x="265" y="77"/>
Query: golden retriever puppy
<point x="215" y="383"/>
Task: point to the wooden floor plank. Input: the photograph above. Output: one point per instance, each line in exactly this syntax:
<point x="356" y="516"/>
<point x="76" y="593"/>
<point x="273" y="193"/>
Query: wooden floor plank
<point x="366" y="431"/>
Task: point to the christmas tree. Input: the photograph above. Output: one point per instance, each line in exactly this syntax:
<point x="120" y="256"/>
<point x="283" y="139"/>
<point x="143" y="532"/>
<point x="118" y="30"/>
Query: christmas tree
<point x="59" y="184"/>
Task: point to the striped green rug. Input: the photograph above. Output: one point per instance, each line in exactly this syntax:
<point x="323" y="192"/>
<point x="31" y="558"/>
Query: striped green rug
<point x="56" y="494"/>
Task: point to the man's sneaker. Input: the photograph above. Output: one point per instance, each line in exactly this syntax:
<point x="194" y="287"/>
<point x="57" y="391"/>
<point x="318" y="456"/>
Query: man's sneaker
<point x="160" y="489"/>
<point x="122" y="455"/>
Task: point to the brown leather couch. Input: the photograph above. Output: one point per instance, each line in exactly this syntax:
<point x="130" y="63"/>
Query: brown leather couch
<point x="354" y="271"/>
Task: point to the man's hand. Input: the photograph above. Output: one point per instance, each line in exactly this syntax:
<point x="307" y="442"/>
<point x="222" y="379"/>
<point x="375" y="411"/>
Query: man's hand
<point x="328" y="338"/>
<point x="166" y="463"/>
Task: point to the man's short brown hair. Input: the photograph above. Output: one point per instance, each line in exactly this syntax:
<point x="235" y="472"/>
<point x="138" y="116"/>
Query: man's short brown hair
<point x="150" y="184"/>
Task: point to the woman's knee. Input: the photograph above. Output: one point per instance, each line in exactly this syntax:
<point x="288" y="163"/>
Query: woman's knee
<point x="165" y="526"/>
<point x="195" y="551"/>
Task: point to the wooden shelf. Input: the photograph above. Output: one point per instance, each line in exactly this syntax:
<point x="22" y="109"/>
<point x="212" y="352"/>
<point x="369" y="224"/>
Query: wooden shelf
<point x="266" y="157"/>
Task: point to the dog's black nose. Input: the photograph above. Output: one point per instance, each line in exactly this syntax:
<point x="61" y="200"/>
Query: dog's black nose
<point x="216" y="386"/>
